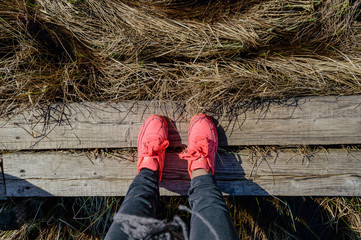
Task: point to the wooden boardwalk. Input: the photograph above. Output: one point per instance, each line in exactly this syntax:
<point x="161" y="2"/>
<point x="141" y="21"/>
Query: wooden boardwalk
<point x="38" y="159"/>
<point x="330" y="172"/>
<point x="307" y="121"/>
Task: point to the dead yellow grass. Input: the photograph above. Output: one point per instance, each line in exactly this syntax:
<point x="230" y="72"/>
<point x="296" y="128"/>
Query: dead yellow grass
<point x="193" y="51"/>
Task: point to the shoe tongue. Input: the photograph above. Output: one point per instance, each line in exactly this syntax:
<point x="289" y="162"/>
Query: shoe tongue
<point x="197" y="150"/>
<point x="203" y="140"/>
<point x="154" y="145"/>
<point x="153" y="139"/>
<point x="201" y="144"/>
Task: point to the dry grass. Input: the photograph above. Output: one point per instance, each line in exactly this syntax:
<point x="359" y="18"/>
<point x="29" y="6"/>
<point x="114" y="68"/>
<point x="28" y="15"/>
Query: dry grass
<point x="296" y="218"/>
<point x="200" y="52"/>
<point x="60" y="218"/>
<point x="197" y="51"/>
<point x="254" y="217"/>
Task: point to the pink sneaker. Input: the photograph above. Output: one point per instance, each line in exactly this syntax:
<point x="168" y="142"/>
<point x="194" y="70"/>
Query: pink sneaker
<point x="202" y="144"/>
<point x="152" y="142"/>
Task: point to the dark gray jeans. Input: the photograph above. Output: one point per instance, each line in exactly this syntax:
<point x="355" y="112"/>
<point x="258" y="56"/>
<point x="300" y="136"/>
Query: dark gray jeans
<point x="205" y="198"/>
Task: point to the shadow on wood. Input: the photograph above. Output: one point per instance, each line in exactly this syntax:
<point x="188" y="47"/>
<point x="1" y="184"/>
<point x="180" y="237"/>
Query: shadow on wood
<point x="229" y="174"/>
<point x="14" y="218"/>
<point x="16" y="186"/>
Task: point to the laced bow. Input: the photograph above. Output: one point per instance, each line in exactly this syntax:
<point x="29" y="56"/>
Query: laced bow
<point x="153" y="146"/>
<point x="196" y="150"/>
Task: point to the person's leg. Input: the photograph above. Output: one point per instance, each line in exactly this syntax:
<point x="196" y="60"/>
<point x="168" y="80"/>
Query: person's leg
<point x="143" y="194"/>
<point x="210" y="216"/>
<point x="141" y="200"/>
<point x="208" y="205"/>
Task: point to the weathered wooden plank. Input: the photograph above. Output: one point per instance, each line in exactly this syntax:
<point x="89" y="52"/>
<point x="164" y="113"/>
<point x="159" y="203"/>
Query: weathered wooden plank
<point x="305" y="121"/>
<point x="335" y="172"/>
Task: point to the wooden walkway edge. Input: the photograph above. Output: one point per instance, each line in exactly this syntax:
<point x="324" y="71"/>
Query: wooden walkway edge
<point x="52" y="168"/>
<point x="304" y="121"/>
<point x="331" y="172"/>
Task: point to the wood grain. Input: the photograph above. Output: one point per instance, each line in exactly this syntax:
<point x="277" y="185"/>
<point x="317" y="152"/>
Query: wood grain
<point x="332" y="172"/>
<point x="303" y="121"/>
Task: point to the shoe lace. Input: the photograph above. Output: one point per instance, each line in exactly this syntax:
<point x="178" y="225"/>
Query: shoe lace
<point x="153" y="146"/>
<point x="198" y="149"/>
